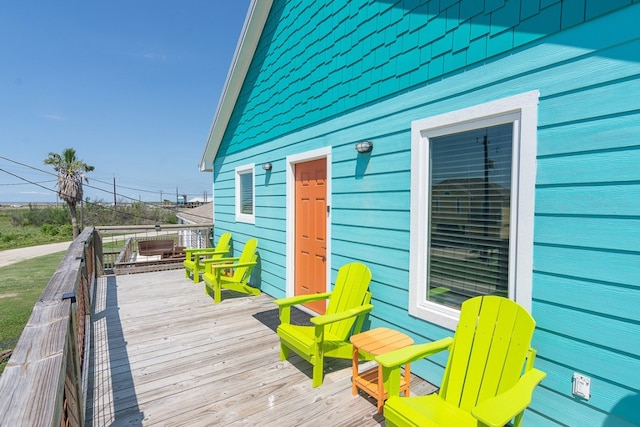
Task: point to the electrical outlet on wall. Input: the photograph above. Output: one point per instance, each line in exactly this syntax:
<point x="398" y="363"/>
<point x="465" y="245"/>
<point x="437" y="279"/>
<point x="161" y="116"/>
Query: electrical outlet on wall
<point x="581" y="386"/>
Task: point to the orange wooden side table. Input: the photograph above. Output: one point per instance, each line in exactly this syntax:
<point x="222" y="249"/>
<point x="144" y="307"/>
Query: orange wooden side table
<point x="376" y="342"/>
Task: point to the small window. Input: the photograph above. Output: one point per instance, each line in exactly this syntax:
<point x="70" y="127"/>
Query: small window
<point x="472" y="182"/>
<point x="245" y="206"/>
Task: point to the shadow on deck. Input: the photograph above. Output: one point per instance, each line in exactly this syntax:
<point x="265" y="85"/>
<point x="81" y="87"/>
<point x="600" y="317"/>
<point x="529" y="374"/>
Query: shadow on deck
<point x="164" y="354"/>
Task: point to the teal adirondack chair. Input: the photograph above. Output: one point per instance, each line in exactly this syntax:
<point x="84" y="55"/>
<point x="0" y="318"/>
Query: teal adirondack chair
<point x="231" y="273"/>
<point x="489" y="378"/>
<point x="329" y="337"/>
<point x="194" y="256"/>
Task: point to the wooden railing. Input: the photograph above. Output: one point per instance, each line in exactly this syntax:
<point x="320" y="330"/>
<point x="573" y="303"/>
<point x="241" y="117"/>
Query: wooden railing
<point x="45" y="380"/>
<point x="109" y="259"/>
<point x="44" y="383"/>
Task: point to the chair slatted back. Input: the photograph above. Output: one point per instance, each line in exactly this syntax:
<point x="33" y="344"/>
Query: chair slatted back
<point x="241" y="274"/>
<point x="489" y="350"/>
<point x="223" y="245"/>
<point x="349" y="291"/>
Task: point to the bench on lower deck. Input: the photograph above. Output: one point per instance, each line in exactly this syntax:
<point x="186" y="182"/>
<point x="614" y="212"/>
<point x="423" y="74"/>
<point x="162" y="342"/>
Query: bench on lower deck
<point x="164" y="247"/>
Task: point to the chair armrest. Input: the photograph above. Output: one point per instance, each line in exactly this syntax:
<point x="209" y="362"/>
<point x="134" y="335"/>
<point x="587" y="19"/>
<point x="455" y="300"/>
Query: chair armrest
<point x="219" y="260"/>
<point x="215" y="266"/>
<point x="195" y="254"/>
<point x="200" y="250"/>
<point x="336" y="317"/>
<point x="285" y="304"/>
<point x="499" y="410"/>
<point x="412" y="353"/>
<point x="301" y="299"/>
<point x="392" y="361"/>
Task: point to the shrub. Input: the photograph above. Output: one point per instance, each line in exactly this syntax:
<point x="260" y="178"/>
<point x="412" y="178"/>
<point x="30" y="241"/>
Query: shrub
<point x="18" y="219"/>
<point x="39" y="216"/>
<point x="7" y="237"/>
<point x="49" y="229"/>
<point x="65" y="230"/>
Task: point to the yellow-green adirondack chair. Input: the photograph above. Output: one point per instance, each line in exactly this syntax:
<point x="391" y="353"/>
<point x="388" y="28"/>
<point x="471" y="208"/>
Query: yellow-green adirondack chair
<point x="489" y="378"/>
<point x="348" y="306"/>
<point x="240" y="269"/>
<point x="194" y="256"/>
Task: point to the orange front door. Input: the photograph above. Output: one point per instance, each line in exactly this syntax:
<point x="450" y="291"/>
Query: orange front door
<point x="311" y="228"/>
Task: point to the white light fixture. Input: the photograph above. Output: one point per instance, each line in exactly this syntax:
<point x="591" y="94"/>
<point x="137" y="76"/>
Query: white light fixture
<point x="364" y="146"/>
<point x="266" y="166"/>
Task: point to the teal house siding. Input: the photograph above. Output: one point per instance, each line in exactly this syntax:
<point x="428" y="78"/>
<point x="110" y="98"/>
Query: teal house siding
<point x="331" y="74"/>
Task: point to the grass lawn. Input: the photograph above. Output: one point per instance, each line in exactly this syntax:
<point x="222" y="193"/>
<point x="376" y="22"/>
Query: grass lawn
<point x="21" y="285"/>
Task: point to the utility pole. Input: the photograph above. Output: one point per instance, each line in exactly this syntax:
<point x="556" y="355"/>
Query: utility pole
<point x="114" y="199"/>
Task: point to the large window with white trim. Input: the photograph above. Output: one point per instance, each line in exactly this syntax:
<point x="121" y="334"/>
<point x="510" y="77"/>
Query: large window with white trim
<point x="245" y="197"/>
<point x="472" y="181"/>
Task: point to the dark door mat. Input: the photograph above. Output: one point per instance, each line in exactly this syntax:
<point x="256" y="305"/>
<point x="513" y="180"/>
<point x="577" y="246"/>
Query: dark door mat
<point x="271" y="319"/>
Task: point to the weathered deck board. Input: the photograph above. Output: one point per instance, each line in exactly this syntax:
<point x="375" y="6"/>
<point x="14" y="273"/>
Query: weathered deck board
<point x="164" y="354"/>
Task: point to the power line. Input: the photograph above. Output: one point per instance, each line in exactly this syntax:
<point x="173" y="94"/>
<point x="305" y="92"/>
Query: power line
<point x="26" y="180"/>
<point x="98" y="205"/>
<point x="161" y="192"/>
<point x="129" y="188"/>
<point x="20" y="183"/>
<point x="161" y="207"/>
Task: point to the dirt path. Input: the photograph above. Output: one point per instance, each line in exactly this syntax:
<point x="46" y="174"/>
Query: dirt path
<point x="11" y="256"/>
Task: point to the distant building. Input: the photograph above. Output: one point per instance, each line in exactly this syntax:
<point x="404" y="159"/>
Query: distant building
<point x="199" y="237"/>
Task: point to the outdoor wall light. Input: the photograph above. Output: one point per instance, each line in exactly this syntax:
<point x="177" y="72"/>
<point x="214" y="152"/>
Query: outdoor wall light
<point x="266" y="166"/>
<point x="364" y="146"/>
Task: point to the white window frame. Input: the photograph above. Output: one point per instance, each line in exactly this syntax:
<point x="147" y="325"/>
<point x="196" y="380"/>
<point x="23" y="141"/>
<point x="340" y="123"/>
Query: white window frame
<point x="239" y="171"/>
<point x="522" y="111"/>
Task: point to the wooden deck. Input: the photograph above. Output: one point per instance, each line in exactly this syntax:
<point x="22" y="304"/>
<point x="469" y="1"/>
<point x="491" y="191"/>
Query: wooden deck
<point x="164" y="354"/>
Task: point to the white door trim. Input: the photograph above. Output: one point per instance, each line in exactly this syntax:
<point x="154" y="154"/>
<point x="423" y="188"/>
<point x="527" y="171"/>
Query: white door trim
<point x="290" y="219"/>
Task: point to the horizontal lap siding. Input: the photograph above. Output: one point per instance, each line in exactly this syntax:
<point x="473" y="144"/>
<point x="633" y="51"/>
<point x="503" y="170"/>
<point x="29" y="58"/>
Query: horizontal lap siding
<point x="587" y="210"/>
<point x="269" y="225"/>
<point x="587" y="233"/>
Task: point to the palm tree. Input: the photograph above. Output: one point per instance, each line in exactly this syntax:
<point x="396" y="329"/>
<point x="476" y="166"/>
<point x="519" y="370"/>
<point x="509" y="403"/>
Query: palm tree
<point x="71" y="172"/>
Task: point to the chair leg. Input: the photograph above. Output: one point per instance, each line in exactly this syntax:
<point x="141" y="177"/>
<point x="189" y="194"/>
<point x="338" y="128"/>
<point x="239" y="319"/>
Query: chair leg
<point x="517" y="422"/>
<point x="318" y="370"/>
<point x="284" y="352"/>
<point x="217" y="293"/>
<point x="187" y="274"/>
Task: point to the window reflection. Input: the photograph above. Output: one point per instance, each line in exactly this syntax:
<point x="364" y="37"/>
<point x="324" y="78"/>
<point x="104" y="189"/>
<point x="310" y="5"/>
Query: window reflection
<point x="470" y="195"/>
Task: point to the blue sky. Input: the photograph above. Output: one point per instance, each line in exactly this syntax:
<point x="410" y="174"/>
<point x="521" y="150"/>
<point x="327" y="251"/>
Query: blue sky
<point x="132" y="86"/>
